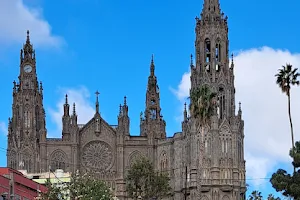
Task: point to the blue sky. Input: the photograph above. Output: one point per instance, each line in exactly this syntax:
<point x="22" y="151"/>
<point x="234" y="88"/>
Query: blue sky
<point x="83" y="46"/>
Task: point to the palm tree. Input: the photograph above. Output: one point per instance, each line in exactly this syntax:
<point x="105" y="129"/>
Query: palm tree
<point x="286" y="77"/>
<point x="202" y="108"/>
<point x="255" y="195"/>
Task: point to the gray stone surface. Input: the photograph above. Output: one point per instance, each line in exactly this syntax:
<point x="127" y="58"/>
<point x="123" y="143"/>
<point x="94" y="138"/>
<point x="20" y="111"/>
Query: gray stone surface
<point x="108" y="151"/>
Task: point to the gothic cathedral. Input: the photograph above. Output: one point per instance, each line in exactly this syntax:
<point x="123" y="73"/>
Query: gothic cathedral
<point x="108" y="151"/>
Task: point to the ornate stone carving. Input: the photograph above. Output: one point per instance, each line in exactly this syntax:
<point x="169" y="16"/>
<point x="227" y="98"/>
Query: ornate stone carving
<point x="97" y="156"/>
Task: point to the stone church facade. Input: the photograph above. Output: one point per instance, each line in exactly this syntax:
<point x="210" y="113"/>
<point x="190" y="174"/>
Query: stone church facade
<point x="108" y="151"/>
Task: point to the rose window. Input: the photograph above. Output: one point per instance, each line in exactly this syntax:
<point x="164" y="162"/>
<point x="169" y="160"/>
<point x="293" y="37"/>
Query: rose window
<point x="97" y="155"/>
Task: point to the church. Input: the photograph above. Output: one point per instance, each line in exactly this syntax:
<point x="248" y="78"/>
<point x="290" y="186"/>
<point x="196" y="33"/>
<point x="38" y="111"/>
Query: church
<point x="108" y="151"/>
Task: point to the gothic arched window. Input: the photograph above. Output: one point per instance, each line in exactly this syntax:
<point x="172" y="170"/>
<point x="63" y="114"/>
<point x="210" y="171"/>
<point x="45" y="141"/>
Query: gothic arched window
<point x="58" y="160"/>
<point x="218" y="55"/>
<point x="207" y="50"/>
<point x="152" y="113"/>
<point x="218" y="51"/>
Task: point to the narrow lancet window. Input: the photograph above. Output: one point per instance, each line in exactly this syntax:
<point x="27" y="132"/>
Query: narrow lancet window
<point x="207" y="50"/>
<point x="218" y="55"/>
<point x="153" y="113"/>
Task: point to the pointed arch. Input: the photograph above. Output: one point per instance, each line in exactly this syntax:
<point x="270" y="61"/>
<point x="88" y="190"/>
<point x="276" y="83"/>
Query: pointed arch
<point x="207" y="50"/>
<point x="58" y="160"/>
<point x="27" y="160"/>
<point x="133" y="157"/>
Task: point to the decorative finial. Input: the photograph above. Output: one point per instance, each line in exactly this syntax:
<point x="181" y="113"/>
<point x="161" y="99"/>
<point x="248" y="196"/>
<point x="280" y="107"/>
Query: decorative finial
<point x="152" y="65"/>
<point x="66" y="99"/>
<point x="120" y="111"/>
<point x="97" y="101"/>
<point x="185" y="112"/>
<point x="74" y="109"/>
<point x="28" y="38"/>
<point x="240" y="106"/>
<point x="152" y="59"/>
<point x="232" y="63"/>
<point x="125" y="102"/>
<point x="192" y="63"/>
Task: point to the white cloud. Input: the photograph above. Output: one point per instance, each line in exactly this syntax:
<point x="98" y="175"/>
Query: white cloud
<point x="267" y="130"/>
<point x="3" y="128"/>
<point x="84" y="108"/>
<point x="16" y="18"/>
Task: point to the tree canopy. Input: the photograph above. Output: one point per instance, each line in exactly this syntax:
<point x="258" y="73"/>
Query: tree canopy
<point x="81" y="187"/>
<point x="143" y="181"/>
<point x="289" y="184"/>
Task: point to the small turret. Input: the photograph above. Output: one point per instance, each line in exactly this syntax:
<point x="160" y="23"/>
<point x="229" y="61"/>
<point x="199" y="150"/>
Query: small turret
<point x="123" y="119"/>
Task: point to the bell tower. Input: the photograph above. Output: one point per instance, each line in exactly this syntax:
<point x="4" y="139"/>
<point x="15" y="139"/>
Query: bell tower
<point x="212" y="59"/>
<point x="27" y="126"/>
<point x="222" y="175"/>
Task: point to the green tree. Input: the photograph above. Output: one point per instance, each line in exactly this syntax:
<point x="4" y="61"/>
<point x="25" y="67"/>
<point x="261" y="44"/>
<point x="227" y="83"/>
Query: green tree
<point x="83" y="187"/>
<point x="286" y="77"/>
<point x="141" y="180"/>
<point x="86" y="187"/>
<point x="287" y="184"/>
